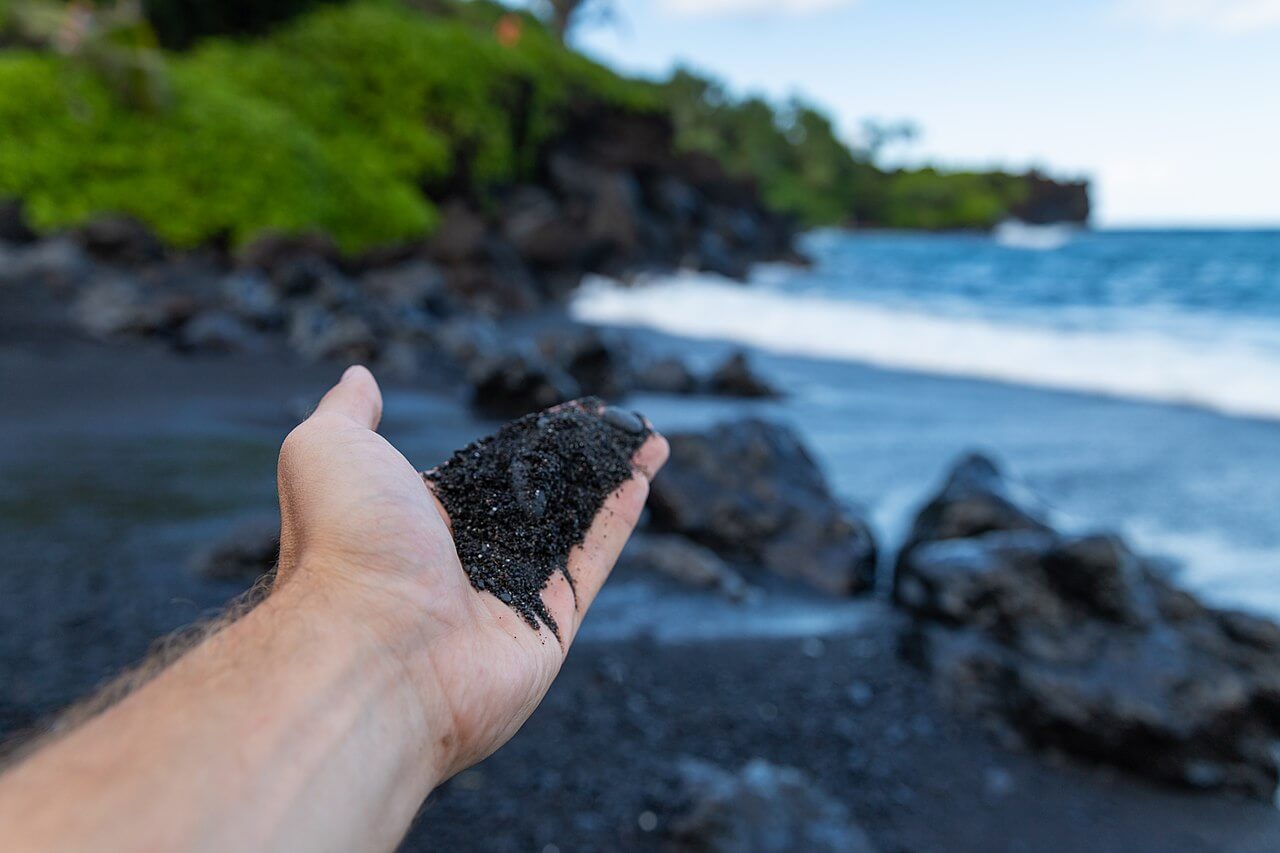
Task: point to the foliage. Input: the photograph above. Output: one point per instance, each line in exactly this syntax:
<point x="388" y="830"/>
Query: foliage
<point x="803" y="168"/>
<point x="334" y="122"/>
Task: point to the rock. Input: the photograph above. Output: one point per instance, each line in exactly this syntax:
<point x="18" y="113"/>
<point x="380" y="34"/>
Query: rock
<point x="598" y="361"/>
<point x="1079" y="644"/>
<point x="517" y="383"/>
<point x="666" y="376"/>
<point x="497" y="282"/>
<point x="541" y="232"/>
<point x="271" y="252"/>
<point x="316" y="334"/>
<point x="677" y="201"/>
<point x="763" y="808"/>
<point x="460" y="236"/>
<point x="714" y="255"/>
<point x="248" y="552"/>
<point x="317" y="279"/>
<point x="120" y="240"/>
<point x="685" y="561"/>
<point x="468" y="339"/>
<point x="736" y="378"/>
<point x="614" y="217"/>
<point x="57" y="262"/>
<point x="976" y="499"/>
<point x="416" y="284"/>
<point x="750" y="491"/>
<point x="13" y="223"/>
<point x="118" y="307"/>
<point x="217" y="331"/>
<point x="251" y="297"/>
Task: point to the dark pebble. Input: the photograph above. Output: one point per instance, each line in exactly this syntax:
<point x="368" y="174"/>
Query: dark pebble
<point x="628" y="422"/>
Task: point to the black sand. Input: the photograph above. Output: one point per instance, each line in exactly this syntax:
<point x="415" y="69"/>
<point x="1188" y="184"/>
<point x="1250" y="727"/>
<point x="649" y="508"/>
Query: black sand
<point x="521" y="499"/>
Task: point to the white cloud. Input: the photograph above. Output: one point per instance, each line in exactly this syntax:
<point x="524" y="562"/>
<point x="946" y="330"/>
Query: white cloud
<point x="1223" y="16"/>
<point x="712" y="8"/>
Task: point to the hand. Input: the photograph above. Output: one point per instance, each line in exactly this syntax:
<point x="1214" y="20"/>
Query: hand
<point x="359" y="522"/>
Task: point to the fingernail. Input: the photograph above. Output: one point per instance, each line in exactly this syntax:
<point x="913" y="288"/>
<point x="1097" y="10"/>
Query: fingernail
<point x="623" y="420"/>
<point x="349" y="372"/>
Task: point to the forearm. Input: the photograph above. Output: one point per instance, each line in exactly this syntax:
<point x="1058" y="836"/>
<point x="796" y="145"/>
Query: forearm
<point x="297" y="726"/>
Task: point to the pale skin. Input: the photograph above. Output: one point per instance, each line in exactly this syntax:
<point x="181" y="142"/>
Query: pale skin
<point x="323" y="718"/>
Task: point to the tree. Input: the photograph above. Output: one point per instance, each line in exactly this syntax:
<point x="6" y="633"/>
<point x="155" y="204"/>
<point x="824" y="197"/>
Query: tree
<point x="563" y="15"/>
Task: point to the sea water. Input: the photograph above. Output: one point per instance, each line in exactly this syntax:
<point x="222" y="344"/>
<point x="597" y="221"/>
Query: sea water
<point x="1129" y="378"/>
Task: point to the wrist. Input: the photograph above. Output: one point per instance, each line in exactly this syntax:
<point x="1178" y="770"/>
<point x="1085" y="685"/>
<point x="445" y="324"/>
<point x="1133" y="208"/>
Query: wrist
<point x="383" y="628"/>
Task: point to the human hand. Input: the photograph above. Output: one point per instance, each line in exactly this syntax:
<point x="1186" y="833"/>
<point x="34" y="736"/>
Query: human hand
<point x="360" y="524"/>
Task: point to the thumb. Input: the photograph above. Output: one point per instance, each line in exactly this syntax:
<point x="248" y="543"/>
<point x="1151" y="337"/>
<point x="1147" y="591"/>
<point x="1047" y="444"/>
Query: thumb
<point x="356" y="397"/>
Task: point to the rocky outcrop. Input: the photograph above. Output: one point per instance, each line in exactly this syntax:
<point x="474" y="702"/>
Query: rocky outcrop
<point x="1078" y="643"/>
<point x="1050" y="201"/>
<point x="737" y="378"/>
<point x="762" y="808"/>
<point x="750" y="491"/>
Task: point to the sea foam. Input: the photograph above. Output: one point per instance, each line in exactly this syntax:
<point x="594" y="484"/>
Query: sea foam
<point x="1193" y="363"/>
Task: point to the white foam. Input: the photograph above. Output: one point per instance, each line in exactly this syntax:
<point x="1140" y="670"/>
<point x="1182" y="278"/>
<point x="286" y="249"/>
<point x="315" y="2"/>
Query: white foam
<point x="1198" y="364"/>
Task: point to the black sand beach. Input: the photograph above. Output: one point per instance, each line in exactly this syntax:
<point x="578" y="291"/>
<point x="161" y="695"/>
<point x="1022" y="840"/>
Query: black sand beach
<point x="102" y="513"/>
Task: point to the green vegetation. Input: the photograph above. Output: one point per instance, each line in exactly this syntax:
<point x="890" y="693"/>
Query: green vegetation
<point x="348" y="118"/>
<point x="804" y="169"/>
<point x="334" y="122"/>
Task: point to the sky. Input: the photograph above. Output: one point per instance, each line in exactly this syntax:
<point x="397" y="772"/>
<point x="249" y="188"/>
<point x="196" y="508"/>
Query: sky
<point x="1171" y="107"/>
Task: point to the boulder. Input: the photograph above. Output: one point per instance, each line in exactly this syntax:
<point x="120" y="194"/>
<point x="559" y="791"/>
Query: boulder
<point x="459" y="236"/>
<point x="750" y="491"/>
<point x="517" y="383"/>
<point x="685" y="561"/>
<point x="714" y="255"/>
<point x="120" y="240"/>
<point x="534" y="223"/>
<point x="271" y="252"/>
<point x="248" y="552"/>
<point x="762" y="808"/>
<point x="117" y="307"/>
<point x="316" y="333"/>
<point x="253" y="298"/>
<point x="667" y="375"/>
<point x="975" y="499"/>
<point x="415" y="284"/>
<point x="736" y="378"/>
<point x="217" y="331"/>
<point x="598" y="361"/>
<point x="1077" y="643"/>
<point x="58" y="263"/>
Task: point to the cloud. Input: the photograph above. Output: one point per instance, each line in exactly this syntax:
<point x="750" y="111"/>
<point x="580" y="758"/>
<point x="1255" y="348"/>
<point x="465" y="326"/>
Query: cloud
<point x="1223" y="16"/>
<point x="713" y="8"/>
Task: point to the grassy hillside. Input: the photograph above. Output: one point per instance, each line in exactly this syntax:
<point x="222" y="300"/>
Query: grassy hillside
<point x="334" y="122"/>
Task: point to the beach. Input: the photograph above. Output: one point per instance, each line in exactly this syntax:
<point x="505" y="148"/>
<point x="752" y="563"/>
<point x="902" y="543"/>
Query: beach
<point x="121" y="463"/>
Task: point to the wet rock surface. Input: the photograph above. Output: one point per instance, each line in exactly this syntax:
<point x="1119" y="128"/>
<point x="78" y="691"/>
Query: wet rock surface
<point x="750" y="491"/>
<point x="1080" y="644"/>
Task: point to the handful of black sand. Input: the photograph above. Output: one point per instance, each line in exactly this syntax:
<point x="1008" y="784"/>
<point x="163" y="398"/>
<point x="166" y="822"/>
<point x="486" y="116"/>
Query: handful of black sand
<point x="521" y="499"/>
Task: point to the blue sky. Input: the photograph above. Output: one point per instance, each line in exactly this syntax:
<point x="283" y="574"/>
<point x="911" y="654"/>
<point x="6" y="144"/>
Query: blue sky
<point x="1172" y="106"/>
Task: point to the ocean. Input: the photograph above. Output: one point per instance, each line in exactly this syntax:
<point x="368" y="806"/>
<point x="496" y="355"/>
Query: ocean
<point x="1130" y="379"/>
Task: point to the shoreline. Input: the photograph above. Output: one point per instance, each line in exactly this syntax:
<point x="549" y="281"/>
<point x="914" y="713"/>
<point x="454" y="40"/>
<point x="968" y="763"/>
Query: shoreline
<point x="94" y="581"/>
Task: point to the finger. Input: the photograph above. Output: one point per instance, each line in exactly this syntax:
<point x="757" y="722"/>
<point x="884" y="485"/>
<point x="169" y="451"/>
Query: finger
<point x="591" y="562"/>
<point x="356" y="397"/>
